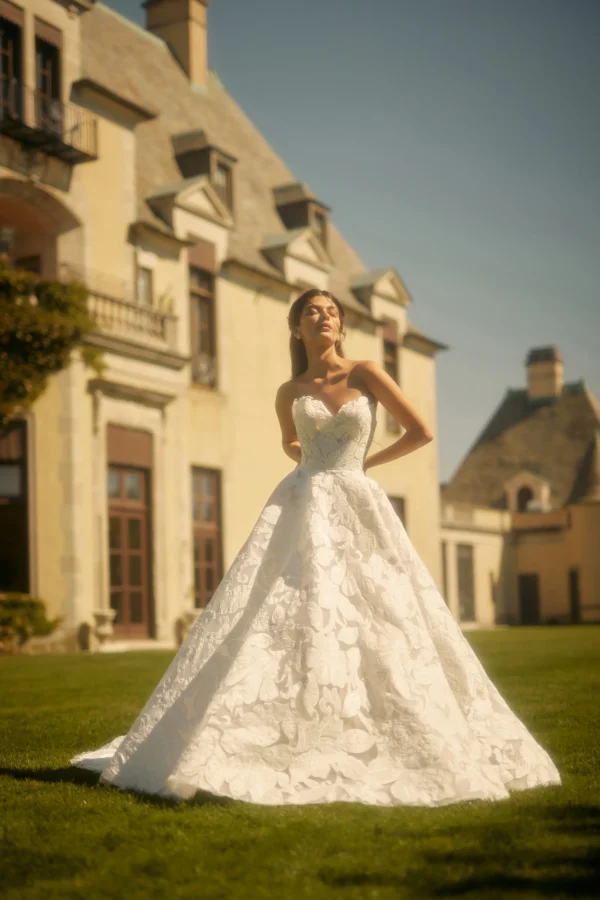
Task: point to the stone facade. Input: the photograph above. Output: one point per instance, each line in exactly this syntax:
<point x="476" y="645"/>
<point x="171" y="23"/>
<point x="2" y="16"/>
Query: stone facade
<point x="155" y="189"/>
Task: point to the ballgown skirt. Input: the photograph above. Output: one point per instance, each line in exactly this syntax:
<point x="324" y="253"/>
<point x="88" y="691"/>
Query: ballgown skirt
<point x="326" y="667"/>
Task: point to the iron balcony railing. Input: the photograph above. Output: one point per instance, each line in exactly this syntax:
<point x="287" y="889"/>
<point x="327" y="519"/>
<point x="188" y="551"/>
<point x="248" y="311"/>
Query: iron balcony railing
<point x="44" y="123"/>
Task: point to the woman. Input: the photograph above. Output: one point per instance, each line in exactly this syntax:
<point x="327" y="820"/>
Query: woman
<point x="327" y="666"/>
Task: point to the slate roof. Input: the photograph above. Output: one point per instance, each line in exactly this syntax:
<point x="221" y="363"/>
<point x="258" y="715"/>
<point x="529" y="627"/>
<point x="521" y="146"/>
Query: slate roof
<point x="137" y="65"/>
<point x="555" y="438"/>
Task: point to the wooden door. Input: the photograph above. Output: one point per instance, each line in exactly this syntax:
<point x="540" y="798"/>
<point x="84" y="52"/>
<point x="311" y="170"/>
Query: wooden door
<point x="574" y="598"/>
<point x="14" y="519"/>
<point x="129" y="548"/>
<point x="529" y="599"/>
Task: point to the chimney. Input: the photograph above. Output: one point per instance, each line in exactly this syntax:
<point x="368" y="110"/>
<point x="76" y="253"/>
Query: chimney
<point x="182" y="25"/>
<point x="544" y="373"/>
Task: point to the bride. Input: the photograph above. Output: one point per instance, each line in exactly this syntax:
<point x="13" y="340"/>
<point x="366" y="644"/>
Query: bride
<point x="327" y="666"/>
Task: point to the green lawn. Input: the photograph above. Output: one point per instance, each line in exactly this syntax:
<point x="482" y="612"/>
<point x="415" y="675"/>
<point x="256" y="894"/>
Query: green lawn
<point x="65" y="836"/>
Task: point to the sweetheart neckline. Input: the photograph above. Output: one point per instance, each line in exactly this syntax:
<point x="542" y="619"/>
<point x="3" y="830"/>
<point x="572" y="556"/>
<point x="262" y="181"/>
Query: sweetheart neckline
<point x="326" y="408"/>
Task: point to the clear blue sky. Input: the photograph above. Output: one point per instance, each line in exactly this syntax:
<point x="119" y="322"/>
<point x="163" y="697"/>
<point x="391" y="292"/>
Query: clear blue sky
<point x="456" y="140"/>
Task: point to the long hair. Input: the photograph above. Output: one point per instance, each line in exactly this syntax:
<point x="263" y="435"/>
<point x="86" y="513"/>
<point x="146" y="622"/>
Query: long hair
<point x="297" y="348"/>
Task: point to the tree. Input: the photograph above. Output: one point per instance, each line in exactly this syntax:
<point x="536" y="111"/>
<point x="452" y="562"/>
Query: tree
<point x="41" y="321"/>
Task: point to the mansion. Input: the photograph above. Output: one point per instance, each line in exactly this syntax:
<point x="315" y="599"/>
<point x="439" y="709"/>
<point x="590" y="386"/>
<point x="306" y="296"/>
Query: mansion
<point x="125" y="496"/>
<point x="126" y="164"/>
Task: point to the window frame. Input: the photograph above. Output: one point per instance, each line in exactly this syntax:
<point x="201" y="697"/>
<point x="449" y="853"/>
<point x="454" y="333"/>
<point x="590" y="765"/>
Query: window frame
<point x="203" y="298"/>
<point x="203" y="530"/>
<point x="139" y="269"/>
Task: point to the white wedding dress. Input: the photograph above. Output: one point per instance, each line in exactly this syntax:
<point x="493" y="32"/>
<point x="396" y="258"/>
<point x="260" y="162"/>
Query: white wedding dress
<point x="327" y="666"/>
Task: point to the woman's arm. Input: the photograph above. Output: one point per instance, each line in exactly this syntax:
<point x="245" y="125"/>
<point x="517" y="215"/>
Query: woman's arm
<point x="289" y="438"/>
<point x="386" y="391"/>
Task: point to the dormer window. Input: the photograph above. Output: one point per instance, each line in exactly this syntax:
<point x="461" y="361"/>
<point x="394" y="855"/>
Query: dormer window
<point x="526" y="491"/>
<point x="298" y="208"/>
<point x="524" y="496"/>
<point x="196" y="155"/>
<point x="222" y="183"/>
<point x="320" y="225"/>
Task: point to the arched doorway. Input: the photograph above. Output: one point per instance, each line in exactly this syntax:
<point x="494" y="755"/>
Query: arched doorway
<point x="44" y="232"/>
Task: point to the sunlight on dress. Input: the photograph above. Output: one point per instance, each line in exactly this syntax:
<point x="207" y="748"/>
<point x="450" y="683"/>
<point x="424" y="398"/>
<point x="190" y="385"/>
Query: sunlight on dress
<point x="327" y="665"/>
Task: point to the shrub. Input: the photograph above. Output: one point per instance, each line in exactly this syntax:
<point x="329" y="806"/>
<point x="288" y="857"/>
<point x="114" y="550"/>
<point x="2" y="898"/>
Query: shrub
<point x="22" y="616"/>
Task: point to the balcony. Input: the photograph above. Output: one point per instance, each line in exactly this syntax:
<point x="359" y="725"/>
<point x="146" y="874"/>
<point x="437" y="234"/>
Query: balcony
<point x="125" y="326"/>
<point x="44" y="123"/>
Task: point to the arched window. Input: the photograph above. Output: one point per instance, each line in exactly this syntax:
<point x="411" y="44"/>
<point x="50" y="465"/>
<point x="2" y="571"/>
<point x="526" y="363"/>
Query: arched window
<point x="523" y="498"/>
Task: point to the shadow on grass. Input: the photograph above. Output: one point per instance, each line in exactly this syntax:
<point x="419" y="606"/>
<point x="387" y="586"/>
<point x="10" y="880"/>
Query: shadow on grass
<point x="555" y="853"/>
<point x="76" y="775"/>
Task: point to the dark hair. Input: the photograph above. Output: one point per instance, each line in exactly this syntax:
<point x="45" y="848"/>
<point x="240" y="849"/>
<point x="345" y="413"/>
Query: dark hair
<point x="297" y="348"/>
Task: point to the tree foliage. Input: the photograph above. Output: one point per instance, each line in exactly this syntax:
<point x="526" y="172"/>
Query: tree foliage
<point x="41" y="322"/>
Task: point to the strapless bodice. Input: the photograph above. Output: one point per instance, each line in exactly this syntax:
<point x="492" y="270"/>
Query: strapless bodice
<point x="339" y="441"/>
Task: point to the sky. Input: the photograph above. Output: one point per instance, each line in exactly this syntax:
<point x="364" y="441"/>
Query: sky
<point x="457" y="141"/>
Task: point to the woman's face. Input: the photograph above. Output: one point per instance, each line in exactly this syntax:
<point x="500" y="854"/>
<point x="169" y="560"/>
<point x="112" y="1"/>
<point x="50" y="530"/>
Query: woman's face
<point x="320" y="322"/>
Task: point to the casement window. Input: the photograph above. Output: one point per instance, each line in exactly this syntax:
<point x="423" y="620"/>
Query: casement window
<point x="206" y="534"/>
<point x="144" y="288"/>
<point x="222" y="179"/>
<point x="391" y="366"/>
<point x="48" y="48"/>
<point x="11" y="60"/>
<point x="203" y="328"/>
<point x="466" y="582"/>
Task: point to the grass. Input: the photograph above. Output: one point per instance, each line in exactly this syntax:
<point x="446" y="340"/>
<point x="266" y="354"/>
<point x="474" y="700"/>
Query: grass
<point x="64" y="836"/>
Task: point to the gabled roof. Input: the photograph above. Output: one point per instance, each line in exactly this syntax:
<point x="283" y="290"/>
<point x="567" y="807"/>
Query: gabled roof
<point x="300" y="242"/>
<point x="551" y="438"/>
<point x="137" y="65"/>
<point x="208" y="203"/>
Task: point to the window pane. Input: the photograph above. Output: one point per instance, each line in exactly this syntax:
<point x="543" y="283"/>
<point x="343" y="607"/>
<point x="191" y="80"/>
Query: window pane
<point x="208" y="550"/>
<point x="466" y="582"/>
<point x="116" y="572"/>
<point x="221" y="175"/>
<point x="116" y="603"/>
<point x="134" y="534"/>
<point x="195" y="489"/>
<point x="114" y="483"/>
<point x="208" y="483"/>
<point x="133" y="485"/>
<point x="144" y="286"/>
<point x="210" y="580"/>
<point x="136" y="615"/>
<point x="135" y="571"/>
<point x="10" y="481"/>
<point x="114" y="533"/>
<point x="207" y="505"/>
<point x="201" y="280"/>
